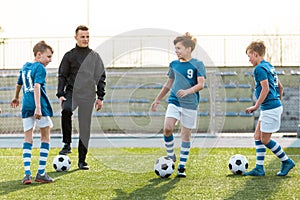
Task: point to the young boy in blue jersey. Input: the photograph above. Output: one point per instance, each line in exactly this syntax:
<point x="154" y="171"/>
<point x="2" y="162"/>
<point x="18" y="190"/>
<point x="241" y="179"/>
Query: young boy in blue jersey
<point x="185" y="79"/>
<point x="36" y="109"/>
<point x="269" y="92"/>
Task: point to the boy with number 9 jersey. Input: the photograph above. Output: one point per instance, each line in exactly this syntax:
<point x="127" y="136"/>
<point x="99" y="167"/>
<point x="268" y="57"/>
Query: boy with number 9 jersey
<point x="185" y="79"/>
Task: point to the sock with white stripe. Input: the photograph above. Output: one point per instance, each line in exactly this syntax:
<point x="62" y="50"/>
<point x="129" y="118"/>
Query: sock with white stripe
<point x="169" y="144"/>
<point x="260" y="153"/>
<point x="44" y="150"/>
<point x="184" y="153"/>
<point x="27" y="147"/>
<point x="277" y="150"/>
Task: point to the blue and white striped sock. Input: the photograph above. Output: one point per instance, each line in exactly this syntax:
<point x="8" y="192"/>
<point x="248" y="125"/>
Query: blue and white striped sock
<point x="44" y="150"/>
<point x="184" y="153"/>
<point x="169" y="144"/>
<point x="260" y="153"/>
<point x="27" y="147"/>
<point x="277" y="150"/>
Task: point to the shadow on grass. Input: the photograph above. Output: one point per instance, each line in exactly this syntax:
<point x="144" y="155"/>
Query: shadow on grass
<point x="157" y="188"/>
<point x="15" y="185"/>
<point x="263" y="187"/>
<point x="56" y="175"/>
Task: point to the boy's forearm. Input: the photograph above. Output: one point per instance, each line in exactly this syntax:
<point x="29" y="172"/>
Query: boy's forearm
<point x="166" y="88"/>
<point x="18" y="89"/>
<point x="199" y="86"/>
<point x="280" y="93"/>
<point x="280" y="90"/>
<point x="37" y="95"/>
<point x="263" y="94"/>
<point x="162" y="93"/>
<point x="195" y="88"/>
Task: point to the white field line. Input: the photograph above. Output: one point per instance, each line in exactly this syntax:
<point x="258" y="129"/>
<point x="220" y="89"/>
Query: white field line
<point x="144" y="155"/>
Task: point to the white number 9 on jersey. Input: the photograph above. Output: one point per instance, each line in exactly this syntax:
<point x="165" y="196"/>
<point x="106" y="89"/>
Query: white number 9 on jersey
<point x="190" y="73"/>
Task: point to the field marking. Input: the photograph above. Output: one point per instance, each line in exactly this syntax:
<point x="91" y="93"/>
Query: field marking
<point x="143" y="155"/>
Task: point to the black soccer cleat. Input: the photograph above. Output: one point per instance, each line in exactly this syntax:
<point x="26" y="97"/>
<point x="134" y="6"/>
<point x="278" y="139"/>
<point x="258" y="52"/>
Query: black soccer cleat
<point x="66" y="149"/>
<point x="83" y="166"/>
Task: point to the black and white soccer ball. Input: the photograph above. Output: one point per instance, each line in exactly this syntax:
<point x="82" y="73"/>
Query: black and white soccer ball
<point x="61" y="163"/>
<point x="164" y="167"/>
<point x="238" y="164"/>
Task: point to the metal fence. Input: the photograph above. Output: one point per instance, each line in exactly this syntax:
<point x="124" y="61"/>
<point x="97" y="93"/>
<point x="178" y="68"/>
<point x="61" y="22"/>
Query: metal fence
<point x="143" y="51"/>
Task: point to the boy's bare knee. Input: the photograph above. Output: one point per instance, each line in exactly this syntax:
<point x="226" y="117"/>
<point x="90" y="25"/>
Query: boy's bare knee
<point x="168" y="131"/>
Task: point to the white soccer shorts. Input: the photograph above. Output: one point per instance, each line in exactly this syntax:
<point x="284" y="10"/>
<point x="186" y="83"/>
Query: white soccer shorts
<point x="29" y="122"/>
<point x="270" y="120"/>
<point x="187" y="117"/>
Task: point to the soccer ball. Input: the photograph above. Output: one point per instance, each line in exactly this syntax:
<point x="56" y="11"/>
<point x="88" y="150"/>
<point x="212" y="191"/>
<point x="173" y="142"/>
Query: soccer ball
<point x="164" y="167"/>
<point x="61" y="163"/>
<point x="238" y="164"/>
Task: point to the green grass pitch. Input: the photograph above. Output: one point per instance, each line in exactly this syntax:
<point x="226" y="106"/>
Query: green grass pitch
<point x="127" y="173"/>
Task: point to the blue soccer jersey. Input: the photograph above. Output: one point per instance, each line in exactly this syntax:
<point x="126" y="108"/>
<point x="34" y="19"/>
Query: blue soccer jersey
<point x="264" y="71"/>
<point x="185" y="76"/>
<point x="30" y="74"/>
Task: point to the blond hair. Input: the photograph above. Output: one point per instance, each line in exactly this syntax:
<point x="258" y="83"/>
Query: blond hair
<point x="258" y="47"/>
<point x="41" y="47"/>
<point x="187" y="40"/>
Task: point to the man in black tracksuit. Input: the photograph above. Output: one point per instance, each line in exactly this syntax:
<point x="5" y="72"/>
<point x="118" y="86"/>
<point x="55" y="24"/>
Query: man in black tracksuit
<point x="81" y="77"/>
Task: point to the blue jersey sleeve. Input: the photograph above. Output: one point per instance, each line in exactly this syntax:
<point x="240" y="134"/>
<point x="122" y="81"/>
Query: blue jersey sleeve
<point x="201" y="69"/>
<point x="171" y="73"/>
<point x="40" y="74"/>
<point x="260" y="74"/>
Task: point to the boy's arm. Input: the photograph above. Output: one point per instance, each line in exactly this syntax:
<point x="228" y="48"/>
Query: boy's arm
<point x="166" y="88"/>
<point x="280" y="86"/>
<point x="196" y="88"/>
<point x="262" y="96"/>
<point x="37" y="100"/>
<point x="15" y="102"/>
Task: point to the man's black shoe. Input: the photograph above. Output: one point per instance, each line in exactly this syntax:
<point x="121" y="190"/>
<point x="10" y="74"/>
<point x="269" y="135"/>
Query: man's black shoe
<point x="83" y="166"/>
<point x="66" y="149"/>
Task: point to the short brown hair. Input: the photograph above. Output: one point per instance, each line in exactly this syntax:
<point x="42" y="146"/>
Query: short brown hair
<point x="81" y="27"/>
<point x="187" y="40"/>
<point x="257" y="46"/>
<point x="41" y="47"/>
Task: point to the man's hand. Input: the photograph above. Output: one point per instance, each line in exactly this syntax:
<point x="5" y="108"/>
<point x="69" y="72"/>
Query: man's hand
<point x="98" y="104"/>
<point x="61" y="99"/>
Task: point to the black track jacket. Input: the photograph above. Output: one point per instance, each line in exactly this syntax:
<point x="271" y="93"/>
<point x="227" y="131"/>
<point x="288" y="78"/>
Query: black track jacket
<point x="81" y="71"/>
